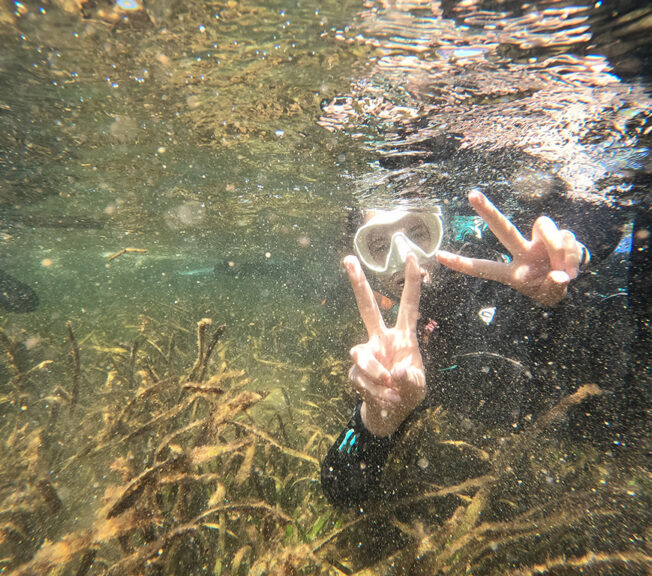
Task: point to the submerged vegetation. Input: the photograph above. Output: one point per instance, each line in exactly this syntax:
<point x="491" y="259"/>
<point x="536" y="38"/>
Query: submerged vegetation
<point x="171" y="460"/>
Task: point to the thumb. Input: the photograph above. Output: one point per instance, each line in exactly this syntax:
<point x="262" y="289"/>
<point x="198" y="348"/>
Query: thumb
<point x="408" y="378"/>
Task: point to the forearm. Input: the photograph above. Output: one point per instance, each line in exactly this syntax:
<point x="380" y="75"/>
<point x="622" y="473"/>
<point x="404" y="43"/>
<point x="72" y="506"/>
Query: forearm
<point x="352" y="470"/>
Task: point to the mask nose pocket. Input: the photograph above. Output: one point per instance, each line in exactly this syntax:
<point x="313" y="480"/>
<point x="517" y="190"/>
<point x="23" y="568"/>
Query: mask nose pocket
<point x="402" y="245"/>
<point x="400" y="248"/>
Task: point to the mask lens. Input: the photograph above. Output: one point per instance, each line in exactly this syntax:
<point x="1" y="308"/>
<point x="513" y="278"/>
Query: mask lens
<point x="418" y="232"/>
<point x="379" y="243"/>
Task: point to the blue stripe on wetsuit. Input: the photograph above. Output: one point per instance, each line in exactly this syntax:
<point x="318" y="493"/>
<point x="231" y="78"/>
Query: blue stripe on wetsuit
<point x="349" y="435"/>
<point x="351" y="471"/>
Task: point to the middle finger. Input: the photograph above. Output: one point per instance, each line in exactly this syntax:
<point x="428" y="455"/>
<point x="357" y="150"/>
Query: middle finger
<point x="408" y="312"/>
<point x="546" y="231"/>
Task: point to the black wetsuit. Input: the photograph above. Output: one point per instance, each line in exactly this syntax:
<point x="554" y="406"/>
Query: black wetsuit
<point x="496" y="356"/>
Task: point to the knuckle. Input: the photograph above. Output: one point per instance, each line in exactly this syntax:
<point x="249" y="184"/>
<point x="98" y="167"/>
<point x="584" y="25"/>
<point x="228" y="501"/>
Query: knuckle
<point x="356" y="351"/>
<point x="543" y="223"/>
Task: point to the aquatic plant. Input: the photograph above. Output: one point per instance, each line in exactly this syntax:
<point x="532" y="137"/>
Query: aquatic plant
<point x="177" y="464"/>
<point x="185" y="479"/>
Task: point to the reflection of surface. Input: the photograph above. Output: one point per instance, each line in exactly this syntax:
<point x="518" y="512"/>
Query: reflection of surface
<point x="521" y="79"/>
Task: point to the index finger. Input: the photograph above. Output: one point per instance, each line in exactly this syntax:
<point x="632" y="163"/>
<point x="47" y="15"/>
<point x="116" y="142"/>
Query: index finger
<point x="488" y="269"/>
<point x="364" y="296"/>
<point x="505" y="231"/>
<point x="408" y="312"/>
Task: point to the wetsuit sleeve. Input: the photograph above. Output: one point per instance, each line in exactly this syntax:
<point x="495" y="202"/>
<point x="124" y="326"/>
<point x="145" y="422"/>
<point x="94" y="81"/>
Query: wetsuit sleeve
<point x="352" y="470"/>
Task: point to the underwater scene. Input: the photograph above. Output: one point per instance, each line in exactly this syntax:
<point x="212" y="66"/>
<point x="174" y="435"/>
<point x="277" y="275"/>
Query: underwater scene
<point x="325" y="287"/>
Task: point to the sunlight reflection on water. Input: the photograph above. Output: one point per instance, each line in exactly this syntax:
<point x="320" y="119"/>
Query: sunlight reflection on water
<point x="527" y="80"/>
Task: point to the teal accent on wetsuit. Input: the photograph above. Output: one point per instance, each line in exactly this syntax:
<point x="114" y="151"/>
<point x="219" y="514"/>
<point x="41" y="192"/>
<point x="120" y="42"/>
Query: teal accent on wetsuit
<point x="464" y="227"/>
<point x="349" y="439"/>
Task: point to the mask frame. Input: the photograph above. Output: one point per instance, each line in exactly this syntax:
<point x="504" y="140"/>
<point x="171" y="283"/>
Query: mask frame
<point x="393" y="227"/>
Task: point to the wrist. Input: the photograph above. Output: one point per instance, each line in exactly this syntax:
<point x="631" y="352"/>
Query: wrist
<point x="380" y="421"/>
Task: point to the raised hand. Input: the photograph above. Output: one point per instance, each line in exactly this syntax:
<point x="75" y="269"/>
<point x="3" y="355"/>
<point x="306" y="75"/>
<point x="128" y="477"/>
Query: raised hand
<point x="541" y="268"/>
<point x="387" y="370"/>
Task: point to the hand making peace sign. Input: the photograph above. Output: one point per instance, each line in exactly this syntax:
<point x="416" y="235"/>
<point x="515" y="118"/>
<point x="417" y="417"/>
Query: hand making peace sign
<point x="541" y="268"/>
<point x="387" y="370"/>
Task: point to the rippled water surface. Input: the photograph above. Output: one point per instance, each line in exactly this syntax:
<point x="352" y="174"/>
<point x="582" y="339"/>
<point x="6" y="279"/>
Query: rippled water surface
<point x="167" y="162"/>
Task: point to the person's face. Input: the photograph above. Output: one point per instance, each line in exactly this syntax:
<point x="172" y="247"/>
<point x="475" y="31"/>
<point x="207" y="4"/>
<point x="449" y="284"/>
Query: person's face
<point x="379" y="243"/>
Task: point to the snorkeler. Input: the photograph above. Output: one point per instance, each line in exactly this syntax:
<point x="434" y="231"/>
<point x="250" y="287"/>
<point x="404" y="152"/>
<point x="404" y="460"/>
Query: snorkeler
<point x="495" y="351"/>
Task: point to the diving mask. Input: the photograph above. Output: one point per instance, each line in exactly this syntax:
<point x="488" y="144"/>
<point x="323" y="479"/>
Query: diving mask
<point x="383" y="243"/>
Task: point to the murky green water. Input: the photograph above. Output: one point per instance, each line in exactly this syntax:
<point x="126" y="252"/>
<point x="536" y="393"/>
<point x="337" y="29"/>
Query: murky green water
<point x="223" y="146"/>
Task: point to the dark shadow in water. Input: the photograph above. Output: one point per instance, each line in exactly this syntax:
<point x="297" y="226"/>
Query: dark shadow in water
<point x="16" y="296"/>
